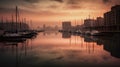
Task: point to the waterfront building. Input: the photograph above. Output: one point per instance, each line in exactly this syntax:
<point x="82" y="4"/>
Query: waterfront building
<point x="88" y="24"/>
<point x="112" y="19"/>
<point x="66" y="26"/>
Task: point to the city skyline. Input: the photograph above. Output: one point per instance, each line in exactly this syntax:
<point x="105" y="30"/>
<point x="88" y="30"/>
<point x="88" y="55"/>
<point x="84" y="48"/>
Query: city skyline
<point x="59" y="33"/>
<point x="53" y="12"/>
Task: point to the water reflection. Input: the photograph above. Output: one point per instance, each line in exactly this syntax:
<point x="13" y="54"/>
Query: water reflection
<point x="110" y="44"/>
<point x="66" y="35"/>
<point x="61" y="50"/>
<point x="11" y="53"/>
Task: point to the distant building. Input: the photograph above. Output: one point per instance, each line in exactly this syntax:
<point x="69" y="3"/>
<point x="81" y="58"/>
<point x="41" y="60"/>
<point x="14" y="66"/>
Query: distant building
<point x="44" y="27"/>
<point x="94" y="24"/>
<point x="88" y="24"/>
<point x="99" y="21"/>
<point x="66" y="26"/>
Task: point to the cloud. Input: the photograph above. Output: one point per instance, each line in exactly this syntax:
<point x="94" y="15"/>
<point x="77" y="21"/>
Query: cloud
<point x="32" y="1"/>
<point x="58" y="5"/>
<point x="74" y="7"/>
<point x="53" y="6"/>
<point x="1" y="8"/>
<point x="106" y="1"/>
<point x="50" y="13"/>
<point x="61" y="1"/>
<point x="73" y="1"/>
<point x="6" y="10"/>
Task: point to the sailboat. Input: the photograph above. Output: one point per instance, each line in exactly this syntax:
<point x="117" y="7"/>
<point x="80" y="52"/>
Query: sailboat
<point x="29" y="33"/>
<point x="13" y="36"/>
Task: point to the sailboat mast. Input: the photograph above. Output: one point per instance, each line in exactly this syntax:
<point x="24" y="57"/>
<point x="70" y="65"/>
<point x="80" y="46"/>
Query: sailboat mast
<point x="16" y="14"/>
<point x="12" y="24"/>
<point x="31" y="24"/>
<point x="16" y="17"/>
<point x="2" y="22"/>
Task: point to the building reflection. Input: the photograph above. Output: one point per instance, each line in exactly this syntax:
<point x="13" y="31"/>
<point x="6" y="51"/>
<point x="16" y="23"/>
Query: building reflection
<point x="113" y="46"/>
<point x="82" y="41"/>
<point x="110" y="44"/>
<point x="66" y="35"/>
<point x="45" y="33"/>
<point x="90" y="42"/>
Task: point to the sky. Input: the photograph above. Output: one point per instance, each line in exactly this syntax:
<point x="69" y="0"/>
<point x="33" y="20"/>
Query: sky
<point x="53" y="12"/>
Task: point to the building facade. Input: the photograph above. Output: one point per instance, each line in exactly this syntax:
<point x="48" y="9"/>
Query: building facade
<point x="112" y="19"/>
<point x="89" y="24"/>
<point x="66" y="26"/>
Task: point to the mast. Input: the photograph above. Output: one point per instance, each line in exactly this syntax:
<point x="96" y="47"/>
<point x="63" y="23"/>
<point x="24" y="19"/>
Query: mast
<point x="16" y="18"/>
<point x="90" y="22"/>
<point x="24" y="20"/>
<point x="12" y="24"/>
<point x="2" y="19"/>
<point x="1" y="22"/>
<point x="31" y="25"/>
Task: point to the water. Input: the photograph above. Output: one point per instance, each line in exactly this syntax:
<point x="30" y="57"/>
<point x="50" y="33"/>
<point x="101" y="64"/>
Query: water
<point x="54" y="49"/>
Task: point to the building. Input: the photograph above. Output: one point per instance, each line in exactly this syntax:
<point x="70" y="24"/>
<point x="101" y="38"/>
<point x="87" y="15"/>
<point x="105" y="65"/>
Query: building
<point x="112" y="19"/>
<point x="94" y="24"/>
<point x="99" y="22"/>
<point x="116" y="14"/>
<point x="88" y="24"/>
<point x="66" y="26"/>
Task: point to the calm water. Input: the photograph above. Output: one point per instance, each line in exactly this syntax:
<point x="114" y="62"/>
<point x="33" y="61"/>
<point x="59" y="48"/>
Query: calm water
<point x="54" y="49"/>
